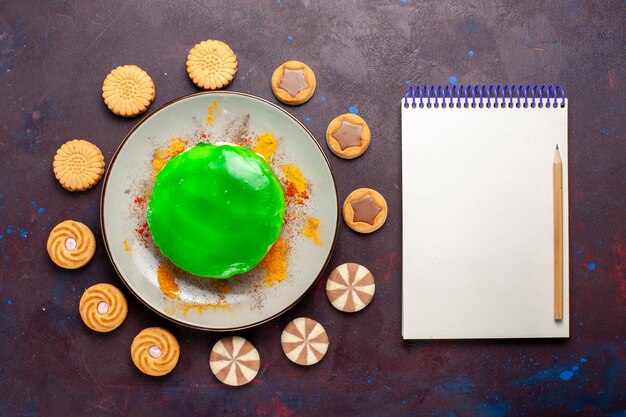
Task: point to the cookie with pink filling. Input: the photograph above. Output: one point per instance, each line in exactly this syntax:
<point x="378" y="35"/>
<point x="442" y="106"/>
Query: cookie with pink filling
<point x="155" y="351"/>
<point x="71" y="244"/>
<point x="103" y="308"/>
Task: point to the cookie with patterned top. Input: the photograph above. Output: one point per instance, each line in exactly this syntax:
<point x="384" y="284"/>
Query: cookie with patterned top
<point x="128" y="91"/>
<point x="234" y="361"/>
<point x="78" y="165"/>
<point x="304" y="341"/>
<point x="211" y="64"/>
<point x="350" y="287"/>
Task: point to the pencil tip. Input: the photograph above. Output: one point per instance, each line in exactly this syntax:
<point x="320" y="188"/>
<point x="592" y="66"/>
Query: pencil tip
<point x="557" y="146"/>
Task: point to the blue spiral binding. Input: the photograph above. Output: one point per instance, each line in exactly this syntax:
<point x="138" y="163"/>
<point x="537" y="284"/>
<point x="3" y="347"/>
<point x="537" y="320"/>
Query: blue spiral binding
<point x="485" y="96"/>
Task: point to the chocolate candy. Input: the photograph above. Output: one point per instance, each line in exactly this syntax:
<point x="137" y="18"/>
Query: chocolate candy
<point x="293" y="82"/>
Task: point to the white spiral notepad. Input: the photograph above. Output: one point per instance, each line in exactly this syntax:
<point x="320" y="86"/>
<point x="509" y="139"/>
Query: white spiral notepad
<point x="477" y="202"/>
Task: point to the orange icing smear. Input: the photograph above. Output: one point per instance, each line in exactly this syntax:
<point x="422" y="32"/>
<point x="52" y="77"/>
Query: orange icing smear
<point x="296" y="183"/>
<point x="221" y="304"/>
<point x="266" y="145"/>
<point x="210" y="110"/>
<point x="126" y="246"/>
<point x="162" y="156"/>
<point x="275" y="263"/>
<point x="311" y="230"/>
<point x="167" y="282"/>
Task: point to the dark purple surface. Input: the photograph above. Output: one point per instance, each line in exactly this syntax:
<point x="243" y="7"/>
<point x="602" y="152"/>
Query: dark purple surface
<point x="53" y="59"/>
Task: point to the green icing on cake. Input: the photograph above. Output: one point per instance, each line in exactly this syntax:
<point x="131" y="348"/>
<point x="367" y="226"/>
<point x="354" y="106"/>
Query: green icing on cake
<point x="215" y="210"/>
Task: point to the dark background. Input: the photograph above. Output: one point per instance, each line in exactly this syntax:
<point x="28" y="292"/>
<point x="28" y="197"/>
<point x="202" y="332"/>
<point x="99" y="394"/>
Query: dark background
<point x="54" y="56"/>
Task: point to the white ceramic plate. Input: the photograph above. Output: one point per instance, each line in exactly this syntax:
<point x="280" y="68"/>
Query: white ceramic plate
<point x="204" y="303"/>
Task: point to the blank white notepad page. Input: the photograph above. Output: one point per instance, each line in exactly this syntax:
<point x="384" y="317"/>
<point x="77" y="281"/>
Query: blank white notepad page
<point x="477" y="191"/>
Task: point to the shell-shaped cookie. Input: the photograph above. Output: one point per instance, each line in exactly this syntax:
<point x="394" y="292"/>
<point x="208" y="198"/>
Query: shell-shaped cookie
<point x="155" y="351"/>
<point x="78" y="165"/>
<point x="128" y="91"/>
<point x="211" y="64"/>
<point x="71" y="244"/>
<point x="350" y="287"/>
<point x="234" y="361"/>
<point x="103" y="307"/>
<point x="304" y="341"/>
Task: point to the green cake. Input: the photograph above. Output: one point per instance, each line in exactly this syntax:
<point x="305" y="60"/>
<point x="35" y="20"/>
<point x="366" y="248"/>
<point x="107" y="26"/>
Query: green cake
<point x="215" y="210"/>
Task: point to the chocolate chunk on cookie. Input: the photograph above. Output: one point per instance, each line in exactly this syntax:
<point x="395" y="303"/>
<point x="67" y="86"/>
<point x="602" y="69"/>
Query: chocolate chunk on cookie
<point x="365" y="210"/>
<point x="348" y="136"/>
<point x="293" y="83"/>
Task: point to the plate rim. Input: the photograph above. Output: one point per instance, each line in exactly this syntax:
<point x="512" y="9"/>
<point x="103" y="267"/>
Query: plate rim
<point x="105" y="182"/>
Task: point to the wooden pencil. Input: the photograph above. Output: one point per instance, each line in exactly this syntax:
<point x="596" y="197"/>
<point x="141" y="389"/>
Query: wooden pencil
<point x="557" y="178"/>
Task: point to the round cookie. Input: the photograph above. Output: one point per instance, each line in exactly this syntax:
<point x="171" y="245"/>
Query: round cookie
<point x="128" y="91"/>
<point x="304" y="341"/>
<point x="365" y="210"/>
<point x="155" y="351"/>
<point x="103" y="307"/>
<point x="78" y="165"/>
<point x="350" y="287"/>
<point x="211" y="64"/>
<point x="234" y="361"/>
<point x="71" y="244"/>
<point x="293" y="83"/>
<point x="348" y="136"/>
